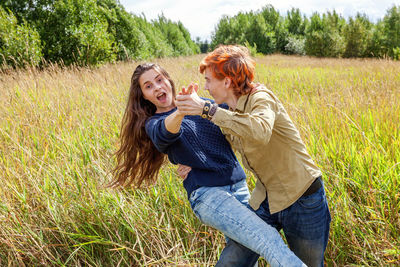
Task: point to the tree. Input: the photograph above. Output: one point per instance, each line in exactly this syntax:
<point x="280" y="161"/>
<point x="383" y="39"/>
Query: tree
<point x="391" y="30"/>
<point x="19" y="44"/>
<point x="357" y="35"/>
<point x="175" y="36"/>
<point x="295" y="23"/>
<point x="323" y="37"/>
<point x="376" y="45"/>
<point x="260" y="34"/>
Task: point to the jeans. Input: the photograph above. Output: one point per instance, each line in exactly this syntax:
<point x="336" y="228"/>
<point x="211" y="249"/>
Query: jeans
<point x="222" y="208"/>
<point x="306" y="227"/>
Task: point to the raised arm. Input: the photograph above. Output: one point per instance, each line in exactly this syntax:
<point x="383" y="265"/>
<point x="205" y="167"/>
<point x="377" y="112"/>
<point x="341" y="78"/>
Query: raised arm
<point x="256" y="124"/>
<point x="173" y="122"/>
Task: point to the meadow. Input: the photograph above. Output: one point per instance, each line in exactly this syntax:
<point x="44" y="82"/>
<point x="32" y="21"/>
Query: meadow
<point x="59" y="129"/>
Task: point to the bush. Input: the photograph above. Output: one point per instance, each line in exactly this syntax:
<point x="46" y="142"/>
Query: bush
<point x="391" y="23"/>
<point x="77" y="32"/>
<point x="396" y="53"/>
<point x="357" y="34"/>
<point x="323" y="36"/>
<point x="175" y="36"/>
<point x="295" y="45"/>
<point x="19" y="44"/>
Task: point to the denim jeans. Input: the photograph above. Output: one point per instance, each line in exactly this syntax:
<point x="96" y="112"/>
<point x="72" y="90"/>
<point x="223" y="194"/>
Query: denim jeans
<point x="306" y="227"/>
<point x="223" y="208"/>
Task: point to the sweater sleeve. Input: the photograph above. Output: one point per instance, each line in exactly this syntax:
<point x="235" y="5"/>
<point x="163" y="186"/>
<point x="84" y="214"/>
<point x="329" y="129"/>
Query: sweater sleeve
<point x="159" y="135"/>
<point x="257" y="124"/>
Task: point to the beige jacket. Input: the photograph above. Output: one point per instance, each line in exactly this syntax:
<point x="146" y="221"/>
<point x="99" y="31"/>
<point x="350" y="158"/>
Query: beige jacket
<point x="271" y="147"/>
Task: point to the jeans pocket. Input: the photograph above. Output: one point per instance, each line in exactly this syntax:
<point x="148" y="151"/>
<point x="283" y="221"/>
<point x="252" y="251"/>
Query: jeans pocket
<point x="312" y="201"/>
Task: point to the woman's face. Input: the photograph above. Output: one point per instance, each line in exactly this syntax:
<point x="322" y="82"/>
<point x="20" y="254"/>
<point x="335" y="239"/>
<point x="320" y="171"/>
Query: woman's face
<point x="157" y="89"/>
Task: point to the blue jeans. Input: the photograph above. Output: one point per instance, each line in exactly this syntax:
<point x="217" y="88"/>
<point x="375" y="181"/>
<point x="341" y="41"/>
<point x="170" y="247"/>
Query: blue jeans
<point x="224" y="208"/>
<point x="306" y="227"/>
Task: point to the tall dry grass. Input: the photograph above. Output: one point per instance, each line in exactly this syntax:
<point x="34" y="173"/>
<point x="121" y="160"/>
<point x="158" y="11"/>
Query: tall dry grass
<point x="59" y="128"/>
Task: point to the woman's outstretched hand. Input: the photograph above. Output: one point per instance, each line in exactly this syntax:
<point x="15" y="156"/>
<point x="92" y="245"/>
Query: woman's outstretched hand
<point x="189" y="102"/>
<point x="183" y="171"/>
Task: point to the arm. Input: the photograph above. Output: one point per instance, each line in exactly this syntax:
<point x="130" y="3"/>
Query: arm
<point x="190" y="103"/>
<point x="256" y="125"/>
<point x="173" y="122"/>
<point x="164" y="132"/>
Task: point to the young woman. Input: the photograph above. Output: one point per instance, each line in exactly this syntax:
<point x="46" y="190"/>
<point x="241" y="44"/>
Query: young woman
<point x="289" y="192"/>
<point x="216" y="185"/>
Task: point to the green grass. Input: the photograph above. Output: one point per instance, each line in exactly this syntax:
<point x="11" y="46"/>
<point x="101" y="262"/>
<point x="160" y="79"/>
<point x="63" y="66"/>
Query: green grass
<point x="59" y="128"/>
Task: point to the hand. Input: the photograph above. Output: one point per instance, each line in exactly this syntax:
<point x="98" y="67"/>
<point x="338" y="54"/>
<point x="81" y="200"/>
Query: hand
<point x="189" y="102"/>
<point x="183" y="171"/>
<point x="189" y="90"/>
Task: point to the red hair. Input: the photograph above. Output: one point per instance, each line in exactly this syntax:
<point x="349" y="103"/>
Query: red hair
<point x="233" y="62"/>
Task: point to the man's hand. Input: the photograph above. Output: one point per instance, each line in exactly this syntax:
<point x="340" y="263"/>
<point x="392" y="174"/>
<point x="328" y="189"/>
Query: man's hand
<point x="183" y="171"/>
<point x="189" y="102"/>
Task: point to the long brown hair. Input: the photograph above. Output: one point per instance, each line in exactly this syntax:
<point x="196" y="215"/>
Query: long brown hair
<point x="137" y="159"/>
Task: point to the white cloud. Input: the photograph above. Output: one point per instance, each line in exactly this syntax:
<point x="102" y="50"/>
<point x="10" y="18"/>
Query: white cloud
<point x="200" y="17"/>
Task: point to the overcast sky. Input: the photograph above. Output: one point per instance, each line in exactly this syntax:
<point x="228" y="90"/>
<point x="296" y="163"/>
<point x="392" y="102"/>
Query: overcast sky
<point x="201" y="16"/>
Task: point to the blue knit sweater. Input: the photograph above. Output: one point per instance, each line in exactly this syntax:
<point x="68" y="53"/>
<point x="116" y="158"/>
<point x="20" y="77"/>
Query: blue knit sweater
<point x="199" y="144"/>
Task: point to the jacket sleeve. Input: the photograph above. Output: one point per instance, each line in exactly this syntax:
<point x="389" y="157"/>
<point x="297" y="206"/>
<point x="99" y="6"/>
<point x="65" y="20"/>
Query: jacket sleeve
<point x="159" y="135"/>
<point x="256" y="124"/>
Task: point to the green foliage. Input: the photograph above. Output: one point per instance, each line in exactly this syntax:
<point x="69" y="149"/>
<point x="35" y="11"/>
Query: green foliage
<point x="177" y="36"/>
<point x="376" y="46"/>
<point x="224" y="32"/>
<point x="131" y="42"/>
<point x="195" y="48"/>
<point x="158" y="44"/>
<point x="260" y="34"/>
<point x="326" y="35"/>
<point x="295" y="45"/>
<point x="396" y="53"/>
<point x="295" y="23"/>
<point x="203" y="45"/>
<point x="391" y="30"/>
<point x="252" y="48"/>
<point x="78" y="33"/>
<point x="96" y="31"/>
<point x="357" y="34"/>
<point x="277" y="31"/>
<point x="295" y="26"/>
<point x="245" y="28"/>
<point x="323" y="37"/>
<point x="19" y="44"/>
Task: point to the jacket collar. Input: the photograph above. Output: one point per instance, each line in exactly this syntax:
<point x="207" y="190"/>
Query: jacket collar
<point x="241" y="103"/>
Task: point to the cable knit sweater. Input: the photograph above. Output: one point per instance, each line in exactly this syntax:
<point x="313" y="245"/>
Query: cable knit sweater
<point x="199" y="144"/>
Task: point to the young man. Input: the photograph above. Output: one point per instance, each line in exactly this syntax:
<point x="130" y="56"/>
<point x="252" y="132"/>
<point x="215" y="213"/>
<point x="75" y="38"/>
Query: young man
<point x="289" y="192"/>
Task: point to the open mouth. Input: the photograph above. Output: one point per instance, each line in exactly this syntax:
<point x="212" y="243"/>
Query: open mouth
<point x="162" y="97"/>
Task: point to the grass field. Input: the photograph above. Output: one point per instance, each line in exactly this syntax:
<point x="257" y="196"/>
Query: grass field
<point x="59" y="129"/>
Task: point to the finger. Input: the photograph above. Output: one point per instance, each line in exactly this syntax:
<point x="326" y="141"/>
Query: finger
<point x="190" y="88"/>
<point x="182" y="97"/>
<point x="196" y="87"/>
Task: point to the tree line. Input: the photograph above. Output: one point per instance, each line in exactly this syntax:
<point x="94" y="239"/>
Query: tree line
<point x="84" y="32"/>
<point x="91" y="32"/>
<point x="321" y="35"/>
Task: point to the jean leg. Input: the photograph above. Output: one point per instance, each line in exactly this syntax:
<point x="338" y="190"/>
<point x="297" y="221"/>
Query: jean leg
<point x="217" y="207"/>
<point x="306" y="227"/>
<point x="241" y="192"/>
<point x="237" y="255"/>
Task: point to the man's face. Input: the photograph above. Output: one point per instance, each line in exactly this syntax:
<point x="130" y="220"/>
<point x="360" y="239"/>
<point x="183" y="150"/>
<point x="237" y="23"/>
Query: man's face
<point x="216" y="87"/>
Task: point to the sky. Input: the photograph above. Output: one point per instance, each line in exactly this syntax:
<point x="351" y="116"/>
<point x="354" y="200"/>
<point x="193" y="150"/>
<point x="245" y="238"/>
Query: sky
<point x="201" y="16"/>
